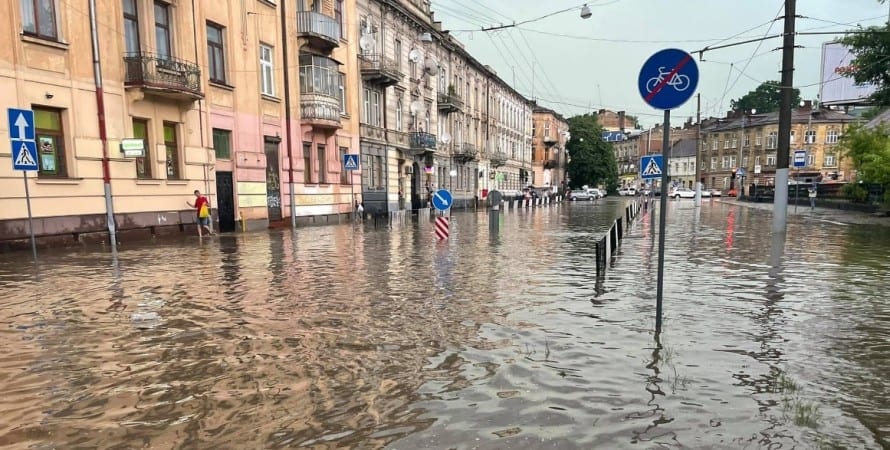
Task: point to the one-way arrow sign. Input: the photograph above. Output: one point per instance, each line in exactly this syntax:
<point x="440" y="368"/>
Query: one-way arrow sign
<point x="21" y="124"/>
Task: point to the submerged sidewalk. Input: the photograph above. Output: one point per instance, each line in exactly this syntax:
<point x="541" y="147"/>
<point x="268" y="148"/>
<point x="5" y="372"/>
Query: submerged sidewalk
<point x="821" y="214"/>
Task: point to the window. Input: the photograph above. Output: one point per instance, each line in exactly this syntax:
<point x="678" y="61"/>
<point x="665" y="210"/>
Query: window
<point x="216" y="53"/>
<point x="399" y="114"/>
<point x="378" y="171"/>
<point x="725" y="163"/>
<point x="222" y="143"/>
<point x="772" y="140"/>
<point x="726" y="141"/>
<point x="307" y="162"/>
<point x="732" y="161"/>
<point x="735" y="142"/>
<point x="162" y="30"/>
<point x="713" y="163"/>
<point x="771" y="159"/>
<point x="745" y="161"/>
<point x="131" y="27"/>
<point x="758" y="139"/>
<point x="50" y="142"/>
<point x="757" y="160"/>
<point x="809" y="137"/>
<point x="547" y="129"/>
<point x="344" y="174"/>
<point x="372" y="114"/>
<point x="811" y="160"/>
<point x="792" y="136"/>
<point x="426" y="120"/>
<point x="143" y="165"/>
<point x="831" y="138"/>
<point x="830" y="160"/>
<point x="39" y="18"/>
<point x="338" y="12"/>
<point x="267" y="80"/>
<point x="322" y="164"/>
<point x="716" y="144"/>
<point x="171" y="146"/>
<point x="342" y="81"/>
<point x="397" y="49"/>
<point x="747" y="140"/>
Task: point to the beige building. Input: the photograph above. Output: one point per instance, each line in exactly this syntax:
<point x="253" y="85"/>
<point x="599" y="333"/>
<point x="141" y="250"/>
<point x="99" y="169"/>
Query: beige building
<point x="750" y="142"/>
<point x="549" y="160"/>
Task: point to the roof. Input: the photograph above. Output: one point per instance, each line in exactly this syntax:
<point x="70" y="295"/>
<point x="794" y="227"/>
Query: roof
<point x="801" y="115"/>
<point x="881" y="119"/>
<point x="683" y="148"/>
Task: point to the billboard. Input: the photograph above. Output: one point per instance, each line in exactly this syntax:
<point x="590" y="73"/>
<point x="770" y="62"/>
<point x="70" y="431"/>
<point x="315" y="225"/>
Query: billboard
<point x="835" y="88"/>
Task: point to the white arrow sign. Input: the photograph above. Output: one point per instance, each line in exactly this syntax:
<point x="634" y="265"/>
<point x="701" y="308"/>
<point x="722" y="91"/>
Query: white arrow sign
<point x="22" y="124"/>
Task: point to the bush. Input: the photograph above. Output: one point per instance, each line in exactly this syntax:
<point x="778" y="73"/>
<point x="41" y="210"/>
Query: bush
<point x="855" y="192"/>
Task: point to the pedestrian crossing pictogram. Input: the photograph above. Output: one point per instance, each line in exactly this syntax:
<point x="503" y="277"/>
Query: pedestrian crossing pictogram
<point x="350" y="162"/>
<point x="652" y="169"/>
<point x="24" y="157"/>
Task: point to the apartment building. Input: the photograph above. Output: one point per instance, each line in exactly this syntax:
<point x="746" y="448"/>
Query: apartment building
<point x="550" y="134"/>
<point x="750" y="142"/>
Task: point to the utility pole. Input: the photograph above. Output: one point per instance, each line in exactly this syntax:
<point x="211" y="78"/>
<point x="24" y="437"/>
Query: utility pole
<point x="780" y="202"/>
<point x="287" y="122"/>
<point x="698" y="150"/>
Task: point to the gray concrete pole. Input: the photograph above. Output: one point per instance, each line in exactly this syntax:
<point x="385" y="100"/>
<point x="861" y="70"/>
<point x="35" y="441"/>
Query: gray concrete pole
<point x="780" y="202"/>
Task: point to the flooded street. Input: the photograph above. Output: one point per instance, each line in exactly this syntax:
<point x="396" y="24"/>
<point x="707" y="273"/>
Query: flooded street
<point x="332" y="337"/>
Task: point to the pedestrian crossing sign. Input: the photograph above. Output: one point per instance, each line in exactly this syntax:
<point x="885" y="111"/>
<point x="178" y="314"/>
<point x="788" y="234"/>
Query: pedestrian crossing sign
<point x="24" y="155"/>
<point x="350" y="161"/>
<point x="651" y="166"/>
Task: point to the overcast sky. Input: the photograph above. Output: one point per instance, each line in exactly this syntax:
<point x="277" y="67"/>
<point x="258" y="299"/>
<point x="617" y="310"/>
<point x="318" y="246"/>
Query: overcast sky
<point x="597" y="66"/>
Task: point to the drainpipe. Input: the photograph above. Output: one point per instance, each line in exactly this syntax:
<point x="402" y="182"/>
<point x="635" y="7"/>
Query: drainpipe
<point x="201" y="126"/>
<point x="103" y="136"/>
<point x="287" y="117"/>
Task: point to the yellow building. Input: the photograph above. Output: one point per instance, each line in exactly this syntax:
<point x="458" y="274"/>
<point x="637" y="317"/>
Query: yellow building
<point x="750" y="142"/>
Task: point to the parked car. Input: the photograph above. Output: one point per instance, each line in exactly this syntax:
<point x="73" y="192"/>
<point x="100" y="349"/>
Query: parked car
<point x="682" y="192"/>
<point x="581" y="194"/>
<point x="627" y="191"/>
<point x="596" y="193"/>
<point x="715" y="193"/>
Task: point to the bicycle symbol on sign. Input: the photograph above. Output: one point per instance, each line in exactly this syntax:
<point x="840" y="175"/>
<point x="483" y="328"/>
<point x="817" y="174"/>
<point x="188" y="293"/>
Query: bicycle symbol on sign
<point x="679" y="82"/>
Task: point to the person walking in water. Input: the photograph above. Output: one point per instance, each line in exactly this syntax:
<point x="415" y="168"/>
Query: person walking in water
<point x="812" y="194"/>
<point x="202" y="212"/>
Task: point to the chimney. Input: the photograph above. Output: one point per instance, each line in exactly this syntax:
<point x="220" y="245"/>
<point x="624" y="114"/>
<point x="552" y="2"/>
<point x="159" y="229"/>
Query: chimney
<point x="808" y="105"/>
<point x="601" y="112"/>
<point x="621" y="121"/>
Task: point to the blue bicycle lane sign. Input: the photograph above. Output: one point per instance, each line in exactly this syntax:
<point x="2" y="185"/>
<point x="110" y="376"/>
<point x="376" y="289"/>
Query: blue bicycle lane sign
<point x="668" y="78"/>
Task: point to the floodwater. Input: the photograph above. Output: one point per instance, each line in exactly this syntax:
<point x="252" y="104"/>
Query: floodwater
<point x="333" y="337"/>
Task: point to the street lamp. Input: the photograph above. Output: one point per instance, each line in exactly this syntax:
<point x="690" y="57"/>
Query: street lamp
<point x="585" y="12"/>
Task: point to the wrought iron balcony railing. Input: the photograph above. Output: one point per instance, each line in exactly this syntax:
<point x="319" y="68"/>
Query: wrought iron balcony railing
<point x="163" y="74"/>
<point x="422" y="141"/>
<point x="321" y="30"/>
<point x="448" y="102"/>
<point x="380" y="70"/>
<point x="465" y="152"/>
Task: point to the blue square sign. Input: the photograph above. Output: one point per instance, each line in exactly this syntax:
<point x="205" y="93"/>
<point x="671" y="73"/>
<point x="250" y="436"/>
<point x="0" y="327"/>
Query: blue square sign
<point x="22" y="138"/>
<point x="350" y="161"/>
<point x="651" y="167"/>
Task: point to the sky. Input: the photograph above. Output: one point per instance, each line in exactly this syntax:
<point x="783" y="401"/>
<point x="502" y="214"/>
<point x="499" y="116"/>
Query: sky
<point x="584" y="65"/>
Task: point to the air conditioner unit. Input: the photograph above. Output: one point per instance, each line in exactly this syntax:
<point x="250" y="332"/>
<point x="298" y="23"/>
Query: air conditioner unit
<point x="409" y="170"/>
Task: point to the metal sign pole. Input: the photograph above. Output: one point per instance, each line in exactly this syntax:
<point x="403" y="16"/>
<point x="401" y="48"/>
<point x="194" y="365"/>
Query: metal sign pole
<point x="30" y="218"/>
<point x="662" y="217"/>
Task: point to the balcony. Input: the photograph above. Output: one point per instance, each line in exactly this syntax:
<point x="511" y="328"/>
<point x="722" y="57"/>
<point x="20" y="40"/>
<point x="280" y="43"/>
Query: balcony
<point x="163" y="76"/>
<point x="550" y="164"/>
<point x="465" y="152"/>
<point x="549" y="141"/>
<point x="448" y="103"/>
<point x="420" y="142"/>
<point x="320" y="111"/>
<point x="379" y="70"/>
<point x="322" y="32"/>
<point x="498" y="159"/>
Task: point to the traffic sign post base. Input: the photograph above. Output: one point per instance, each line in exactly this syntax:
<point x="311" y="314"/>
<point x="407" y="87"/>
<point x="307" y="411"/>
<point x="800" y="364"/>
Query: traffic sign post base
<point x="30" y="218"/>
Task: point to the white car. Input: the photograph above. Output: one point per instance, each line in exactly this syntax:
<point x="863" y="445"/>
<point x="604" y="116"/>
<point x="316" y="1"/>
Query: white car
<point x="596" y="193"/>
<point x="682" y="192"/>
<point x="581" y="194"/>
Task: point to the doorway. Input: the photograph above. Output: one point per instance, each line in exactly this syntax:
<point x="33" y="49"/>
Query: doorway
<point x="273" y="179"/>
<point x="225" y="199"/>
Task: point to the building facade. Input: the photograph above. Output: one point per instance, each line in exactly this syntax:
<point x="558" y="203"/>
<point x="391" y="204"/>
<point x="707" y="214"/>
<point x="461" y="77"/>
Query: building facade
<point x="681" y="169"/>
<point x="551" y="132"/>
<point x="252" y="103"/>
<point x="750" y="142"/>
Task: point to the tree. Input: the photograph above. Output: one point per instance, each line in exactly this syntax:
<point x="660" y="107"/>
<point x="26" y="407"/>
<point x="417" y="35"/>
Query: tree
<point x="592" y="159"/>
<point x="870" y="63"/>
<point x="869" y="151"/>
<point x="766" y="98"/>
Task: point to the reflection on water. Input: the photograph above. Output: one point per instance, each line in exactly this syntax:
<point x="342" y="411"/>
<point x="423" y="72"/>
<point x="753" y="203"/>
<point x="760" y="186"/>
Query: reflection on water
<point x="339" y="338"/>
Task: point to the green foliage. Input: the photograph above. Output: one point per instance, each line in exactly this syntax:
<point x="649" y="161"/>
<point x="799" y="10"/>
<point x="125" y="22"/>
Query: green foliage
<point x="764" y="99"/>
<point x="870" y="63"/>
<point x="592" y="160"/>
<point x="855" y="192"/>
<point x="869" y="150"/>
